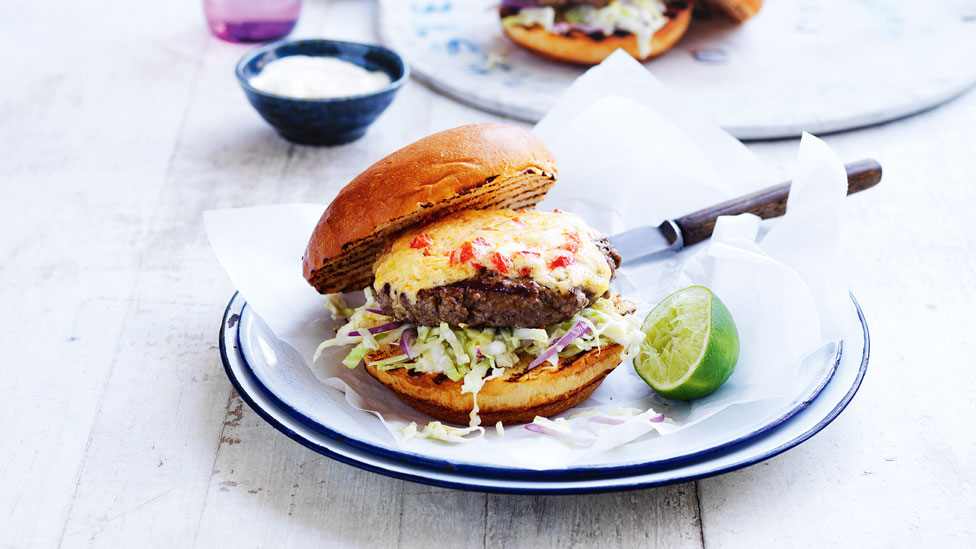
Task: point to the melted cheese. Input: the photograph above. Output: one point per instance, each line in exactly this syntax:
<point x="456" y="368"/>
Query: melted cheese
<point x="557" y="250"/>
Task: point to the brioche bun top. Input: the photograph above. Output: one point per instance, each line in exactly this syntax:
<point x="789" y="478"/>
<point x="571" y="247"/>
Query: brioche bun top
<point x="480" y="166"/>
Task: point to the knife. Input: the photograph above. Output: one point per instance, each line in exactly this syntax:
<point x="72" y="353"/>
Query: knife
<point x="675" y="234"/>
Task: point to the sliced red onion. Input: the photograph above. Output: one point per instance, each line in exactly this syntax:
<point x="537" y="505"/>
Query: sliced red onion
<point x="555" y="433"/>
<point x="378" y="329"/>
<point x="518" y="4"/>
<point x="587" y="29"/>
<point x="607" y="420"/>
<point x="657" y="419"/>
<point x="375" y="311"/>
<point x="578" y="330"/>
<point x="564" y="27"/>
<point x="407" y="339"/>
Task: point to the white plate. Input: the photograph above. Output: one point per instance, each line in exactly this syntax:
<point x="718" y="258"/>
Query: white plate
<point x="800" y="65"/>
<point x="811" y="419"/>
<point x="273" y="389"/>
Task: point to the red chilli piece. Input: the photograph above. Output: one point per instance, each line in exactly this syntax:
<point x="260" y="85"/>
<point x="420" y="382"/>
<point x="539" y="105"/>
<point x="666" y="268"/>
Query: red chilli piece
<point x="422" y="240"/>
<point x="528" y="252"/>
<point x="467" y="252"/>
<point x="500" y="263"/>
<point x="561" y="261"/>
<point x="525" y="271"/>
<point x="572" y="243"/>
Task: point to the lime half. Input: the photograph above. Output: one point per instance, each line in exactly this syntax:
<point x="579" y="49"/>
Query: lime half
<point x="690" y="345"/>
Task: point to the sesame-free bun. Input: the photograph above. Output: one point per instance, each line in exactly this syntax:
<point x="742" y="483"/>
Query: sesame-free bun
<point x="516" y="397"/>
<point x="583" y="49"/>
<point x="736" y="10"/>
<point x="480" y="166"/>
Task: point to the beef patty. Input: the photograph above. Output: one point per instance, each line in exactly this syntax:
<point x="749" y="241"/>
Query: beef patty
<point x="491" y="299"/>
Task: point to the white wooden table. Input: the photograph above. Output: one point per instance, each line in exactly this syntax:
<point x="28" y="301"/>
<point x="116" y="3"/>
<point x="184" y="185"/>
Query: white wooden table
<point x="121" y="122"/>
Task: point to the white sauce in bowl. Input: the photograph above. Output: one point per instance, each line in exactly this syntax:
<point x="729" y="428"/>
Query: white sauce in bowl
<point x="307" y="77"/>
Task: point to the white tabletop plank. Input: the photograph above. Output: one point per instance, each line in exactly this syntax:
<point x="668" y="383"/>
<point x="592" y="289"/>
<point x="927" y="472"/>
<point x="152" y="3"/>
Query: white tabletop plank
<point x="83" y="158"/>
<point x="120" y="427"/>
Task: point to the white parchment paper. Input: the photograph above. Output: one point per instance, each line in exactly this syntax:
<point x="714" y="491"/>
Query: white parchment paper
<point x="629" y="154"/>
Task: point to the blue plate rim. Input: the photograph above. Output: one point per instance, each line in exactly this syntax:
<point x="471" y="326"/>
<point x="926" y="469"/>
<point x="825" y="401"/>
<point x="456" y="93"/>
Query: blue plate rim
<point x="572" y="473"/>
<point x="541" y="487"/>
<point x="578" y="473"/>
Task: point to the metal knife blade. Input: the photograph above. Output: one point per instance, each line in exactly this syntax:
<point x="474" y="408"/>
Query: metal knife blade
<point x="653" y="242"/>
<point x="648" y="242"/>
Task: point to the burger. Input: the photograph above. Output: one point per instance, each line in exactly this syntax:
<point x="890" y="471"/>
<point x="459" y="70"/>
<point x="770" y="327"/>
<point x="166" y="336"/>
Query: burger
<point x="478" y="308"/>
<point x="585" y="32"/>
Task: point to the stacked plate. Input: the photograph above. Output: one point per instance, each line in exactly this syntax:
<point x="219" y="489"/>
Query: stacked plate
<point x="797" y="66"/>
<point x="293" y="401"/>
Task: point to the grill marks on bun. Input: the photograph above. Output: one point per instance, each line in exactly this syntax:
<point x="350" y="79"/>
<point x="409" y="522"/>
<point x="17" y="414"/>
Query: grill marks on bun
<point x="481" y="166"/>
<point x="353" y="268"/>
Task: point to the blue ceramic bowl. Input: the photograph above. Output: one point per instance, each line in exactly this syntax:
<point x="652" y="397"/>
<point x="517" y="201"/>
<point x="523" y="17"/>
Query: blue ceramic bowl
<point x="322" y="121"/>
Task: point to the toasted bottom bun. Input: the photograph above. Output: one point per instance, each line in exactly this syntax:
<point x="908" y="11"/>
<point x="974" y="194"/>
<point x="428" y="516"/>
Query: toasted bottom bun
<point x="517" y="397"/>
<point x="578" y="47"/>
<point x="736" y="10"/>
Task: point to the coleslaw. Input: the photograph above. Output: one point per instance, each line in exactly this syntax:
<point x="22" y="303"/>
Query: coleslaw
<point x="642" y="18"/>
<point x="474" y="356"/>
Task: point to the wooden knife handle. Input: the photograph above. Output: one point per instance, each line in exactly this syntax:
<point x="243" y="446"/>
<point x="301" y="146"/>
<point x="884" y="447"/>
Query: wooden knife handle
<point x="769" y="202"/>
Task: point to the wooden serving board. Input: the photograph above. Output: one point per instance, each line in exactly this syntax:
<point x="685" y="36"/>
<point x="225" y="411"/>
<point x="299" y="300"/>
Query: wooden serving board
<point x="800" y="65"/>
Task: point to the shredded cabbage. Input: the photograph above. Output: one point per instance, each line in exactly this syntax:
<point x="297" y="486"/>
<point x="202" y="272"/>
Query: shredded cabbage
<point x="337" y="307"/>
<point x="355" y="356"/>
<point x="526" y="17"/>
<point x="559" y="429"/>
<point x="474" y="356"/>
<point x="642" y="18"/>
<point x="438" y="431"/>
<point x="587" y="427"/>
<point x="474" y="380"/>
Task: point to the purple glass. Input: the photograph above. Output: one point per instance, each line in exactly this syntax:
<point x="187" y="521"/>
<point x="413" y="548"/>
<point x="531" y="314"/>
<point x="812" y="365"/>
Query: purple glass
<point x="251" y="20"/>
